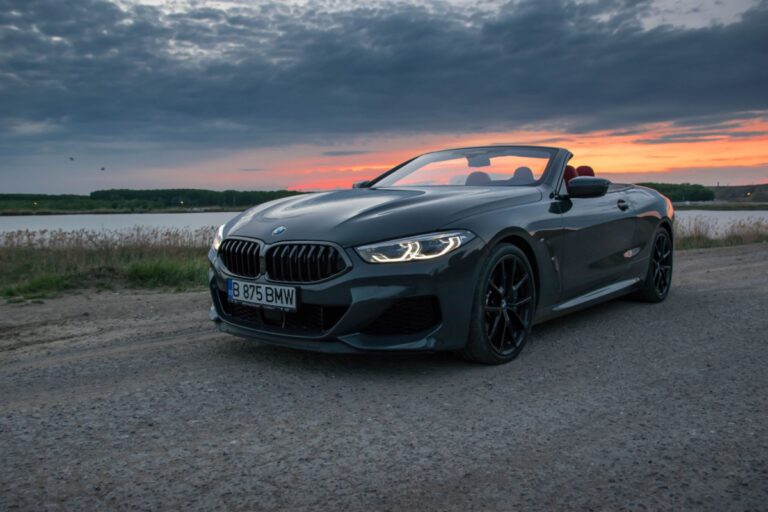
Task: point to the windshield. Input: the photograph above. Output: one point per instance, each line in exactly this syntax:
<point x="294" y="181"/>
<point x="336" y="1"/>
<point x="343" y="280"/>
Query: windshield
<point x="478" y="167"/>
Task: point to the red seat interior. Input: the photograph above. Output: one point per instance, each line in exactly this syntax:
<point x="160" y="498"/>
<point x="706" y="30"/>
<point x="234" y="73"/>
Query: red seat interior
<point x="585" y="170"/>
<point x="569" y="174"/>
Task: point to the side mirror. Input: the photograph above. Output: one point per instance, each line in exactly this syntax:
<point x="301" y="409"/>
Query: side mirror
<point x="587" y="186"/>
<point x="361" y="184"/>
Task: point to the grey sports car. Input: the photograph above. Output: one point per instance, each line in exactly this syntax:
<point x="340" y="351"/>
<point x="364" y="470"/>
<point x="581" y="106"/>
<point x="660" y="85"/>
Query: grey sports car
<point x="462" y="249"/>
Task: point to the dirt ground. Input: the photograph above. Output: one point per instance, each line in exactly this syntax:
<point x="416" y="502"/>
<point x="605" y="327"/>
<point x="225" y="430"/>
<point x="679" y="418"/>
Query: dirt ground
<point x="133" y="401"/>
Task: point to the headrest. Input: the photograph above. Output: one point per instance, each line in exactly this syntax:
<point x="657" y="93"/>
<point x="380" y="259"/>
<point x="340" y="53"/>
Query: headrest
<point x="523" y="175"/>
<point x="569" y="174"/>
<point x="478" y="179"/>
<point x="585" y="170"/>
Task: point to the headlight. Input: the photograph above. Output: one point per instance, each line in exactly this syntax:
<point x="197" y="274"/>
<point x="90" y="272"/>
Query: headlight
<point x="422" y="247"/>
<point x="218" y="238"/>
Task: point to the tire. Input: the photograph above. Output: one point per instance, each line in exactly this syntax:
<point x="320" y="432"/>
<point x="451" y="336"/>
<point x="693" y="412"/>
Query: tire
<point x="503" y="307"/>
<point x="658" y="279"/>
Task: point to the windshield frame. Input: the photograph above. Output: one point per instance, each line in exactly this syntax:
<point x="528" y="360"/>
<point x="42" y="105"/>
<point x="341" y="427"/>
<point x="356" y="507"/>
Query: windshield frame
<point x="551" y="152"/>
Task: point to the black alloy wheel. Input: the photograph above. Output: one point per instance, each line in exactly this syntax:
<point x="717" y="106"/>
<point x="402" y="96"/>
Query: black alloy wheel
<point x="507" y="303"/>
<point x="661" y="264"/>
<point x="658" y="281"/>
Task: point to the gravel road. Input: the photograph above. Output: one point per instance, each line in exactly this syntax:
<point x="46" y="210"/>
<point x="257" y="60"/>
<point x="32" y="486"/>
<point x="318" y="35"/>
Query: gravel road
<point x="131" y="401"/>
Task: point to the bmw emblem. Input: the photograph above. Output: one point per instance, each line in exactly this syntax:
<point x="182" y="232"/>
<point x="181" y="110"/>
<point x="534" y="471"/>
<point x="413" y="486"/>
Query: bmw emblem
<point x="279" y="230"/>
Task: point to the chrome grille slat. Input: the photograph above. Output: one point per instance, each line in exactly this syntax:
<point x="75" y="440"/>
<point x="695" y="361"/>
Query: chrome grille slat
<point x="297" y="262"/>
<point x="310" y="263"/>
<point x="291" y="262"/>
<point x="236" y="256"/>
<point x="284" y="259"/>
<point x="300" y="266"/>
<point x="241" y="257"/>
<point x="248" y="261"/>
<point x="321" y="261"/>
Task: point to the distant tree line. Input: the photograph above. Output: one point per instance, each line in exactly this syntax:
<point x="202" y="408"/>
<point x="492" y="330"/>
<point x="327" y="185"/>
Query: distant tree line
<point x="167" y="198"/>
<point x="140" y="200"/>
<point x="683" y="191"/>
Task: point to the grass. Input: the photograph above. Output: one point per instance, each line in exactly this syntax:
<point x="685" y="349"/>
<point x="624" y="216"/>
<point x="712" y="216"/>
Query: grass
<point x="166" y="273"/>
<point x="41" y="264"/>
<point x="702" y="233"/>
<point x="721" y="206"/>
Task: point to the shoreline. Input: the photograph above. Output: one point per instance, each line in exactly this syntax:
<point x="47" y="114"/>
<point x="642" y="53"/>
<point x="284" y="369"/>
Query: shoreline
<point x="716" y="206"/>
<point x="114" y="212"/>
<point x="721" y="207"/>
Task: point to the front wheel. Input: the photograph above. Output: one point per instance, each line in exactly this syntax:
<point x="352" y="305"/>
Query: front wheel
<point x="503" y="309"/>
<point x="658" y="280"/>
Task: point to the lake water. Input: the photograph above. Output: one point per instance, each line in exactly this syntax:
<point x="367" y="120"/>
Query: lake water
<point x="719" y="219"/>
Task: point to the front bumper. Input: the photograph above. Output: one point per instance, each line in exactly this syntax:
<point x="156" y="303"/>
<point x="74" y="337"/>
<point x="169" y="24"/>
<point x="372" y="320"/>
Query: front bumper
<point x="414" y="306"/>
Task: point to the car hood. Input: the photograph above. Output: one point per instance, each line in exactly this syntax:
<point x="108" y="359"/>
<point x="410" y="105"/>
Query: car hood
<point x="357" y="216"/>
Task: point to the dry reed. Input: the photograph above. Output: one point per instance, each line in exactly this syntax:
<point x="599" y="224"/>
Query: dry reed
<point x="38" y="263"/>
<point x="700" y="232"/>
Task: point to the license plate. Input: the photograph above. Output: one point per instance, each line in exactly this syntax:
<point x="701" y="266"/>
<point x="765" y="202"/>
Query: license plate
<point x="280" y="297"/>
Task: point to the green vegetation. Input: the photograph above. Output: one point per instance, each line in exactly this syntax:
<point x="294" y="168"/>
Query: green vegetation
<point x="167" y="272"/>
<point x="701" y="233"/>
<point x="722" y="206"/>
<point x="753" y="197"/>
<point x="123" y="200"/>
<point x="743" y="194"/>
<point x="37" y="264"/>
<point x="683" y="191"/>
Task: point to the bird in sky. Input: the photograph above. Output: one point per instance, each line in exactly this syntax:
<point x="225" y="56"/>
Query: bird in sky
<point x="71" y="159"/>
<point x="103" y="168"/>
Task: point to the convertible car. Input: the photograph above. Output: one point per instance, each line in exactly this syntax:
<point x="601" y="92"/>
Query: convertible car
<point x="462" y="249"/>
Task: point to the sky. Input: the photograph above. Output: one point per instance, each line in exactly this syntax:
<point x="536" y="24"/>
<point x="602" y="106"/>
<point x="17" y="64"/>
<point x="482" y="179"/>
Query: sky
<point x="309" y="94"/>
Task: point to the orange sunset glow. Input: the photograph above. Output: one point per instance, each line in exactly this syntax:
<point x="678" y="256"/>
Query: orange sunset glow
<point x="737" y="155"/>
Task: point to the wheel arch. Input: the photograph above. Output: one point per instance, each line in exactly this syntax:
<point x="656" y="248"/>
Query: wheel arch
<point x="666" y="224"/>
<point x="521" y="243"/>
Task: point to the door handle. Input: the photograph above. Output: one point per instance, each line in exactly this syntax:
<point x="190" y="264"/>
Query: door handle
<point x="623" y="205"/>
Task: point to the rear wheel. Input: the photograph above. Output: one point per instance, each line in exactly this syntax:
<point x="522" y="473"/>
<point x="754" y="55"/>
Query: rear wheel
<point x="658" y="280"/>
<point x="504" y="304"/>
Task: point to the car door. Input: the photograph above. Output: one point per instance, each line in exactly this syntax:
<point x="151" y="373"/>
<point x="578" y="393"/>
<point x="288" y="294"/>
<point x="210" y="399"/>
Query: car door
<point x="597" y="244"/>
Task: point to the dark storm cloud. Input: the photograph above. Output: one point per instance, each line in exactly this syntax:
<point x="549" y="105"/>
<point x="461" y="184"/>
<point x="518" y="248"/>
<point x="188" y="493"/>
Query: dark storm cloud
<point x="91" y="71"/>
<point x="702" y="136"/>
<point x="345" y="153"/>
